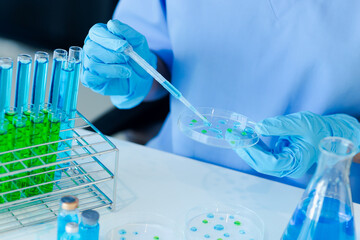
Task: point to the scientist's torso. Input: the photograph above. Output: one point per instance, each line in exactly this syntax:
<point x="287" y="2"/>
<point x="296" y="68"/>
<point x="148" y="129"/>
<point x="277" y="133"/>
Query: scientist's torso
<point x="260" y="58"/>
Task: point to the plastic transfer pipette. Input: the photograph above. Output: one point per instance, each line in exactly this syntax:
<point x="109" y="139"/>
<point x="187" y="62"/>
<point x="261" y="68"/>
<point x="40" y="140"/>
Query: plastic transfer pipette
<point x="165" y="83"/>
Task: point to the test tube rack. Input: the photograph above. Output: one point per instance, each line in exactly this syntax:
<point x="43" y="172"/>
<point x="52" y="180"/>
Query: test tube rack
<point x="82" y="167"/>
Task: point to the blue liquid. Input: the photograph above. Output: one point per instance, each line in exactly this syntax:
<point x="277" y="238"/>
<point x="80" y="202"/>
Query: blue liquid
<point x="74" y="89"/>
<point x="55" y="83"/>
<point x="335" y="222"/>
<point x="5" y="88"/>
<point x="89" y="232"/>
<point x="71" y="236"/>
<point x="22" y="86"/>
<point x="66" y="74"/>
<point x="168" y="86"/>
<point x="219" y="227"/>
<point x="64" y="218"/>
<point x="39" y="85"/>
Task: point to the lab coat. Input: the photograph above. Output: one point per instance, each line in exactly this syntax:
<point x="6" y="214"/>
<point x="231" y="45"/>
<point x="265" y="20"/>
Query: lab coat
<point x="259" y="58"/>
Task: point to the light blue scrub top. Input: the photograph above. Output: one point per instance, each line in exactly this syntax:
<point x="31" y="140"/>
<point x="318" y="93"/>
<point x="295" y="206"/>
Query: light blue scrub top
<point x="259" y="58"/>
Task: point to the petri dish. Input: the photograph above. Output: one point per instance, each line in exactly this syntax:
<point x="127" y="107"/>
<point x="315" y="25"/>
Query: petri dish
<point x="223" y="223"/>
<point x="227" y="130"/>
<point x="144" y="226"/>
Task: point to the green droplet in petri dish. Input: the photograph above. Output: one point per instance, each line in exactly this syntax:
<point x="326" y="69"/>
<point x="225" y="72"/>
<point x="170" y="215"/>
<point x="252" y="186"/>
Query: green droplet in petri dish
<point x="203" y="131"/>
<point x="243" y="133"/>
<point x="219" y="239"/>
<point x="194" y="121"/>
<point x="156" y="238"/>
<point x="229" y="130"/>
<point x="205" y="221"/>
<point x="237" y="223"/>
<point x="191" y="124"/>
<point x="232" y="142"/>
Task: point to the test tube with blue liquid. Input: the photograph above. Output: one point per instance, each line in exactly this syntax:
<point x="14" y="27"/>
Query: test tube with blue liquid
<point x="74" y="65"/>
<point x="56" y="115"/>
<point x="69" y="78"/>
<point x="6" y="69"/>
<point x="75" y="55"/>
<point x="59" y="58"/>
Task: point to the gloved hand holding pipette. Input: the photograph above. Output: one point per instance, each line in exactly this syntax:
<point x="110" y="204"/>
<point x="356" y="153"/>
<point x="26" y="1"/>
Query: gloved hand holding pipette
<point x="297" y="147"/>
<point x="128" y="81"/>
<point x="108" y="71"/>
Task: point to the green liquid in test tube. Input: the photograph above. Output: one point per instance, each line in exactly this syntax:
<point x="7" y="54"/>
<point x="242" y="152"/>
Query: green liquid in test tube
<point x="39" y="123"/>
<point x="6" y="143"/>
<point x="54" y="135"/>
<point x="21" y="120"/>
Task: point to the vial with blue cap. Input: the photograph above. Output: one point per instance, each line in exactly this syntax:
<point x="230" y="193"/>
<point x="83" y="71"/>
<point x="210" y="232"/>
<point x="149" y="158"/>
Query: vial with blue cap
<point x="89" y="226"/>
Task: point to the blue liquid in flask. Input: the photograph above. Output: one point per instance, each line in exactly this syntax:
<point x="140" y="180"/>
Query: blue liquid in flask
<point x="330" y="225"/>
<point x="325" y="210"/>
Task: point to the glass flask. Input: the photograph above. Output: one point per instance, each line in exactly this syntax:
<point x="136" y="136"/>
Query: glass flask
<point x="326" y="210"/>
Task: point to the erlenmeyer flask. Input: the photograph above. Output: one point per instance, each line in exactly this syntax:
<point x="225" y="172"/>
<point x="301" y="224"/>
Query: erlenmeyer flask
<point x="325" y="210"/>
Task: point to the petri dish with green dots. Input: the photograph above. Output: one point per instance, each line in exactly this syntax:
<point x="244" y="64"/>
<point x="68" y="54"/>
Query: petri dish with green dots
<point x="227" y="130"/>
<point x="145" y="226"/>
<point x="217" y="222"/>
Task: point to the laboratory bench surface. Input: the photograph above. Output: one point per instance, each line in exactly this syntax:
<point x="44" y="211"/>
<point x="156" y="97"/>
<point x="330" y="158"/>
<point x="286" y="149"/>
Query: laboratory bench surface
<point x="152" y="181"/>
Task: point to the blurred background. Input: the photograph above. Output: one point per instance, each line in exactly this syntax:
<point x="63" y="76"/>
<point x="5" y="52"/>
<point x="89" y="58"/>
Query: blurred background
<point x="30" y="26"/>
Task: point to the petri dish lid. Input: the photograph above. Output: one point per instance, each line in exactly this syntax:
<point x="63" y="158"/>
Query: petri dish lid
<point x="228" y="129"/>
<point x="144" y="226"/>
<point x="223" y="222"/>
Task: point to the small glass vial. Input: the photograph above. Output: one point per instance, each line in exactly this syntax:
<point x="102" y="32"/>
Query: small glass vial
<point x="71" y="232"/>
<point x="89" y="226"/>
<point x="68" y="213"/>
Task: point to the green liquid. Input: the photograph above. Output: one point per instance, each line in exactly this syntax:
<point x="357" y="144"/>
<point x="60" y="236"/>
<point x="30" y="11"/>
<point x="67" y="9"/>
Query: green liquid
<point x="54" y="135"/>
<point x="24" y="133"/>
<point x="37" y="136"/>
<point x="21" y="140"/>
<point x="4" y="158"/>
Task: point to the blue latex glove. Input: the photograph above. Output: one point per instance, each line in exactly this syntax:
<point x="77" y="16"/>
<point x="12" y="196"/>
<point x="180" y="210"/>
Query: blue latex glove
<point x="108" y="71"/>
<point x="297" y="147"/>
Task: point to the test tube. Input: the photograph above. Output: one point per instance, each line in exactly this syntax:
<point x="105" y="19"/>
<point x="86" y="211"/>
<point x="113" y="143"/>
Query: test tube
<point x="39" y="81"/>
<point x="75" y="55"/>
<point x="70" y="80"/>
<point x="55" y="115"/>
<point x="67" y="71"/>
<point x="6" y="69"/>
<point x="39" y="128"/>
<point x="59" y="57"/>
<point x="21" y="136"/>
<point x="22" y="83"/>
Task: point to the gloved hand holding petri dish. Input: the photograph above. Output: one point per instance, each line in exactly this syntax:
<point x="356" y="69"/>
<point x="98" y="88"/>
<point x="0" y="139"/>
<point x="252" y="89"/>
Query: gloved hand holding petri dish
<point x="227" y="129"/>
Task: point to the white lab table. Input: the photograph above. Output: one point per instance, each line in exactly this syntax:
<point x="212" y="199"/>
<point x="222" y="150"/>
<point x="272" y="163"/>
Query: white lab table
<point x="159" y="182"/>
